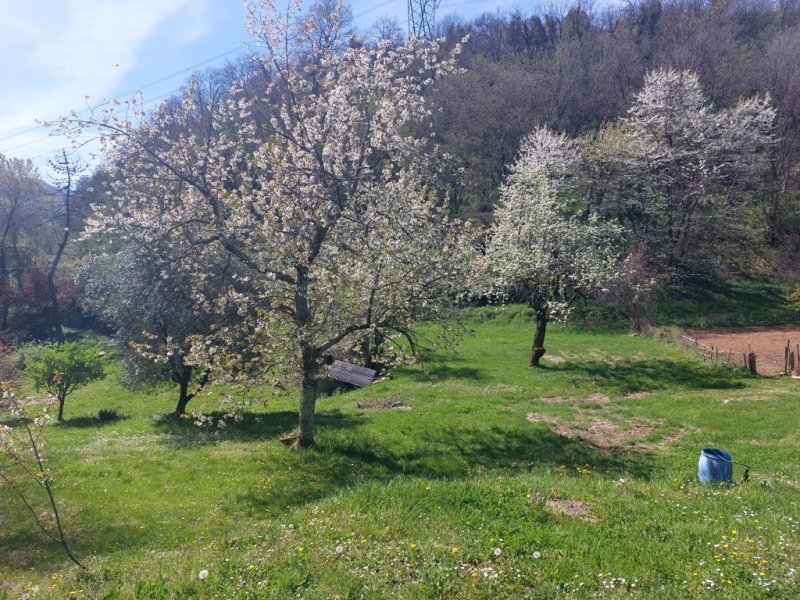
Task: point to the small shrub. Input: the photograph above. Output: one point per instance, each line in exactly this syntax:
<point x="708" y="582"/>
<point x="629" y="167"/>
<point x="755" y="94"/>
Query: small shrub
<point x="793" y="297"/>
<point x="108" y="414"/>
<point x="60" y="370"/>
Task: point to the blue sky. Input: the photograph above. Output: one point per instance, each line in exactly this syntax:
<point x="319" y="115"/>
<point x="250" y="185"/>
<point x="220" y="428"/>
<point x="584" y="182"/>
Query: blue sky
<point x="63" y="55"/>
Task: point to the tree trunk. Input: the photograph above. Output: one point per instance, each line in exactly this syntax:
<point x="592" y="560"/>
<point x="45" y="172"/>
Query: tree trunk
<point x="184" y="395"/>
<point x="308" y="363"/>
<point x="537" y="349"/>
<point x="366" y="351"/>
<point x="308" y="401"/>
<point x="55" y="314"/>
<point x="61" y="409"/>
<point x="55" y="319"/>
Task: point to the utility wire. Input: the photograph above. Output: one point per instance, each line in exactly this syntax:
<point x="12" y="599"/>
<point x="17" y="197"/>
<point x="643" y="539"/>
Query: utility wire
<point x="148" y="85"/>
<point x="182" y="71"/>
<point x="189" y="69"/>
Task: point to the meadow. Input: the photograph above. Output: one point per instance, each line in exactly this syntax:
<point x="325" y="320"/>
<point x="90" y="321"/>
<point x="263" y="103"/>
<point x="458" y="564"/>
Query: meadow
<point x="464" y="475"/>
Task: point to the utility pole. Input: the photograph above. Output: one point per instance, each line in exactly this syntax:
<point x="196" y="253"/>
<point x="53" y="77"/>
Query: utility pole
<point x="422" y="18"/>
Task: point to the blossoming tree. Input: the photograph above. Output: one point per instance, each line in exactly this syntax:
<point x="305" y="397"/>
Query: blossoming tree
<point x="138" y="292"/>
<point x="539" y="247"/>
<point x="315" y="186"/>
<point x="678" y="171"/>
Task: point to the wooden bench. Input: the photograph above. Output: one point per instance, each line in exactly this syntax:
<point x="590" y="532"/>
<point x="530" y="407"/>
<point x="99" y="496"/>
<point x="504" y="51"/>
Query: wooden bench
<point x="352" y="374"/>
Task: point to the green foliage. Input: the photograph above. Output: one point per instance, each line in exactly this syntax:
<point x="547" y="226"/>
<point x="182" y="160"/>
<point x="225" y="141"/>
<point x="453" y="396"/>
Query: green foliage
<point x="718" y="303"/>
<point x="410" y="503"/>
<point x="61" y="369"/>
<point x="793" y="297"/>
<point x="108" y="414"/>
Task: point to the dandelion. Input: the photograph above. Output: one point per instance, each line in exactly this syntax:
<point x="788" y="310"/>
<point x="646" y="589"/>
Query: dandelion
<point x="339" y="549"/>
<point x="497" y="552"/>
<point x="202" y="574"/>
<point x="537" y="555"/>
<point x="454" y="549"/>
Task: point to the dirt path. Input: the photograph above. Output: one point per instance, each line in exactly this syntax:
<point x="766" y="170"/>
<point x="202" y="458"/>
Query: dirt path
<point x="767" y="342"/>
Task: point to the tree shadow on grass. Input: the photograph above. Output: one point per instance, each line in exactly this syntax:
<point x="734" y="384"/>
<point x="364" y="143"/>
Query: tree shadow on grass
<point x="431" y="372"/>
<point x="90" y="422"/>
<point x="661" y="374"/>
<point x="344" y="459"/>
<point x="453" y="453"/>
<point x="252" y="427"/>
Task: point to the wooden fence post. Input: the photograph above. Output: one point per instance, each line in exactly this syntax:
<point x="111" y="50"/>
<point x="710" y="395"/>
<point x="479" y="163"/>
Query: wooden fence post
<point x="751" y="363"/>
<point x="797" y="366"/>
<point x="786" y="358"/>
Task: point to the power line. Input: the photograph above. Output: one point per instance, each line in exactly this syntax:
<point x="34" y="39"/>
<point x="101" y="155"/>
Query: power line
<point x="148" y="85"/>
<point x="184" y="71"/>
<point x="374" y="8"/>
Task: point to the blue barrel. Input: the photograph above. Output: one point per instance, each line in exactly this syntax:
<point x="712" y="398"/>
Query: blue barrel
<point x="715" y="465"/>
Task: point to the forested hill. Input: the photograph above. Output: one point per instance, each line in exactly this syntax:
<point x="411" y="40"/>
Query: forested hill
<point x="579" y="67"/>
<point x="578" y="70"/>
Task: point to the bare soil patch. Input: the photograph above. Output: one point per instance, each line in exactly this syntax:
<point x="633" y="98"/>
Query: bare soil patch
<point x="29" y="401"/>
<point x="605" y="435"/>
<point x="601" y="433"/>
<point x="663" y="442"/>
<point x="392" y="403"/>
<point x="596" y="399"/>
<point x="551" y="399"/>
<point x="638" y="395"/>
<point x="573" y="508"/>
<point x="768" y="343"/>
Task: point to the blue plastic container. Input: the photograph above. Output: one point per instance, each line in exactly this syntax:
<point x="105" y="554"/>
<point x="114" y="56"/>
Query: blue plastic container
<point x="715" y="465"/>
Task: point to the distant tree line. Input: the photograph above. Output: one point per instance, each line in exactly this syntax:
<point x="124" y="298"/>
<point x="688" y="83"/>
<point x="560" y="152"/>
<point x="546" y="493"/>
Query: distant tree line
<point x="37" y="264"/>
<point x="578" y="67"/>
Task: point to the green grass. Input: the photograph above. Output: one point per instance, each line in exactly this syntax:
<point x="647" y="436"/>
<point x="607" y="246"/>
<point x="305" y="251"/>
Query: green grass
<point x="456" y="498"/>
<point x="735" y="303"/>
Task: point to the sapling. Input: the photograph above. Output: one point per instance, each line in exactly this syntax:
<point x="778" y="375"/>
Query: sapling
<point x="22" y="447"/>
<point x="60" y="370"/>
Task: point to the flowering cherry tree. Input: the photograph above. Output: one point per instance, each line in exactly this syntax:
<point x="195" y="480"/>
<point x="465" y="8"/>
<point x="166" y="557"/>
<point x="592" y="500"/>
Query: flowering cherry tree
<point x="536" y="247"/>
<point x="139" y="292"/>
<point x="677" y="171"/>
<point x="316" y="188"/>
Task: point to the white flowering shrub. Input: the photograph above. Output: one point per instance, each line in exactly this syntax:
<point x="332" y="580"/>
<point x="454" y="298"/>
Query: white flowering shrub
<point x="678" y="171"/>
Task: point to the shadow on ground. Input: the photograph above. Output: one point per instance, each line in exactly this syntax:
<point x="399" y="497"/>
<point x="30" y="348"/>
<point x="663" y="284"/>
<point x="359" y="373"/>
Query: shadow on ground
<point x="636" y="375"/>
<point x="252" y="427"/>
<point x="88" y="422"/>
<point x="339" y="462"/>
<point x="434" y="372"/>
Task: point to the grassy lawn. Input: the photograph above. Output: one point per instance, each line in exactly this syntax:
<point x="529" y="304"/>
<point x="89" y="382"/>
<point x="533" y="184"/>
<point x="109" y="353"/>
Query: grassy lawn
<point x="574" y="480"/>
